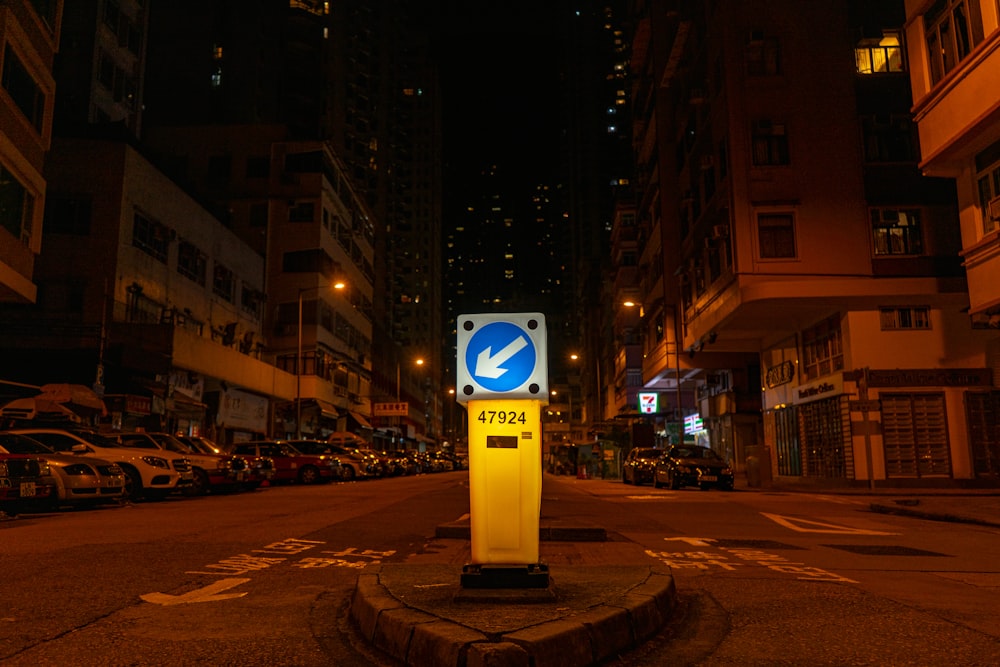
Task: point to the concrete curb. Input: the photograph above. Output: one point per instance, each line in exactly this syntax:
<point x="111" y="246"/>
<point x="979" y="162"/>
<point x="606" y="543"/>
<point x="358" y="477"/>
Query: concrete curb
<point x="628" y="615"/>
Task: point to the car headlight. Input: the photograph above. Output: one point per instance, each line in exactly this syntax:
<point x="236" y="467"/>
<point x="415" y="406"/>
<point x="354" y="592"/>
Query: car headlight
<point x="156" y="462"/>
<point x="726" y="471"/>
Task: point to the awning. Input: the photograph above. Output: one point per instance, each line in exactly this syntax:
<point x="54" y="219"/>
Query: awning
<point x="360" y="419"/>
<point x="37" y="408"/>
<point x="327" y="409"/>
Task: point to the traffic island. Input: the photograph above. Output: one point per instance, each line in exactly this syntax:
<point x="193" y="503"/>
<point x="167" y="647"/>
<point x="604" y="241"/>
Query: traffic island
<point x="420" y="614"/>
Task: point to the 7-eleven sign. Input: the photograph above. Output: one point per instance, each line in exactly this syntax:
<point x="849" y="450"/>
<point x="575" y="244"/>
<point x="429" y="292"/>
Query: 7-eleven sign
<point x="649" y="403"/>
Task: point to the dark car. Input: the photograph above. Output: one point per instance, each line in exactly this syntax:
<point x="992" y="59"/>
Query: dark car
<point x="354" y="463"/>
<point x="261" y="467"/>
<point x="291" y="465"/>
<point x="691" y="465"/>
<point x="639" y="464"/>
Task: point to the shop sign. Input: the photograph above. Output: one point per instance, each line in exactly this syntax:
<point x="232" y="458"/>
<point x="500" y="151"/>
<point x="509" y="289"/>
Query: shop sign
<point x="242" y="410"/>
<point x="931" y="377"/>
<point x="400" y="409"/>
<point x="781" y="374"/>
<point x="138" y="405"/>
<point x="832" y="386"/>
<point x="648" y="403"/>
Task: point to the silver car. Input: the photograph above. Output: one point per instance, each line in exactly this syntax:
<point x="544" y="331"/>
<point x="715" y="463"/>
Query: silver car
<point x="78" y="480"/>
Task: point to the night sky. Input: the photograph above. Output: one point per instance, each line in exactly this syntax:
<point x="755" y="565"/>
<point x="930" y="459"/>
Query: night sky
<point x="500" y="77"/>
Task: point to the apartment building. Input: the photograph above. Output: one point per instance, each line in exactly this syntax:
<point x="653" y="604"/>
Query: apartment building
<point x="30" y="33"/>
<point x="804" y="262"/>
<point x="954" y="69"/>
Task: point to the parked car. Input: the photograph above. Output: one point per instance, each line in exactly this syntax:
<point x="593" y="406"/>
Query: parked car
<point x="149" y="475"/>
<point x="355" y="463"/>
<point x="212" y="471"/>
<point x="78" y="480"/>
<point x="639" y="465"/>
<point x="23" y="482"/>
<point x="261" y="467"/>
<point x="395" y="464"/>
<point x="691" y="465"/>
<point x="291" y="465"/>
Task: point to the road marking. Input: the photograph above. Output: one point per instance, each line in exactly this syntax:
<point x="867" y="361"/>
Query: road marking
<point x="210" y="593"/>
<point x="802" y="526"/>
<point x="693" y="541"/>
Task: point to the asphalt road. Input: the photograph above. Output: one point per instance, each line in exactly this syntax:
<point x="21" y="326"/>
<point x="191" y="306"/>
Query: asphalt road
<point x="265" y="578"/>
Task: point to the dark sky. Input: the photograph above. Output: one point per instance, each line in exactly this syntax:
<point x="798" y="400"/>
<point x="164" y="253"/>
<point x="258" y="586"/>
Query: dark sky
<point x="500" y="77"/>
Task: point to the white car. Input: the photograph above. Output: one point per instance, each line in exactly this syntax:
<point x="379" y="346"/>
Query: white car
<point x="149" y="475"/>
<point x="211" y="471"/>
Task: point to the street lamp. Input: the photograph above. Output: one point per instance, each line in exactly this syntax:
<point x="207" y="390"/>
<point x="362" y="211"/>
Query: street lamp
<point x="337" y="285"/>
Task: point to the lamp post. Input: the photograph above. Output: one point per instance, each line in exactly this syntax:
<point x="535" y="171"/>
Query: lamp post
<point x="337" y="285"/>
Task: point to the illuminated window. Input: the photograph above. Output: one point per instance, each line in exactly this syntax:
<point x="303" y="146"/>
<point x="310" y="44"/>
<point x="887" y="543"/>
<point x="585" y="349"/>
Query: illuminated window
<point x="822" y="349"/>
<point x="879" y="55"/>
<point x="896" y="231"/>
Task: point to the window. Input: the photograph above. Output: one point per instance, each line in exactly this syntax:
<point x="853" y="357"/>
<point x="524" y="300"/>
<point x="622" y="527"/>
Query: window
<point x="822" y="349"/>
<point x="776" y="235"/>
<point x="17" y="206"/>
<point x="762" y="55"/>
<point x="893" y="318"/>
<point x="988" y="183"/>
<point x="67" y="215"/>
<point x="22" y="88"/>
<point x="302" y="211"/>
<point x="888" y="138"/>
<point x="770" y="144"/>
<point x="150" y="236"/>
<point x="896" y="231"/>
<point x="191" y="262"/>
<point x="880" y="55"/>
<point x="223" y="283"/>
<point x="251" y="300"/>
<point x="953" y="29"/>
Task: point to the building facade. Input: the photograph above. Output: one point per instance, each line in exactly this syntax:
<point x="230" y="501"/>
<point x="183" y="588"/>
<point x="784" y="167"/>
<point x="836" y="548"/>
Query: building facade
<point x="803" y="259"/>
<point x="954" y="71"/>
<point x="30" y="33"/>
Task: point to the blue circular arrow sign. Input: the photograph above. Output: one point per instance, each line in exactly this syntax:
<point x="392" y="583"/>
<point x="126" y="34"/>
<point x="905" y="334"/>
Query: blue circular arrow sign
<point x="500" y="356"/>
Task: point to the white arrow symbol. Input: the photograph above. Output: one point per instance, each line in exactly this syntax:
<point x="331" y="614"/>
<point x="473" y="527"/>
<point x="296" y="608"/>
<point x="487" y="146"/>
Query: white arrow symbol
<point x="488" y="366"/>
<point x="209" y="593"/>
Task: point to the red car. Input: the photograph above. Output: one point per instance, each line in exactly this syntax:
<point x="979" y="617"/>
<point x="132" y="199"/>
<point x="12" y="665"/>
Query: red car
<point x="21" y="482"/>
<point x="291" y="465"/>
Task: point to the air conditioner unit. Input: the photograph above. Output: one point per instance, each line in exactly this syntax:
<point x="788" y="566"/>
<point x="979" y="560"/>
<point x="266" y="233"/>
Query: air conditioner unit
<point x="720" y="231"/>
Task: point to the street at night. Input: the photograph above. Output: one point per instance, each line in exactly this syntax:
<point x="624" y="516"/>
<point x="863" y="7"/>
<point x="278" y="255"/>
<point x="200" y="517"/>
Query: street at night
<point x="763" y="577"/>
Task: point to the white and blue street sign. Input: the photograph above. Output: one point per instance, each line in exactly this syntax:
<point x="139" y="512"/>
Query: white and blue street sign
<point x="502" y="355"/>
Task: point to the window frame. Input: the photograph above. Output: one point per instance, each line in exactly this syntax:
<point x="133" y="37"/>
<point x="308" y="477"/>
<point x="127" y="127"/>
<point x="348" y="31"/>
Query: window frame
<point x="774" y="242"/>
